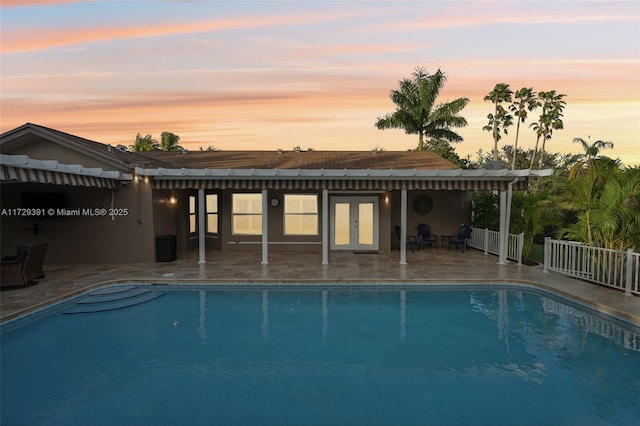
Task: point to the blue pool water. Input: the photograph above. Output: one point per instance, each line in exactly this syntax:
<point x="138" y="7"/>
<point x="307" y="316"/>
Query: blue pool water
<point x="323" y="356"/>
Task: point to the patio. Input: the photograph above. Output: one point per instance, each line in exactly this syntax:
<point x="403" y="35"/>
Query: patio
<point x="424" y="266"/>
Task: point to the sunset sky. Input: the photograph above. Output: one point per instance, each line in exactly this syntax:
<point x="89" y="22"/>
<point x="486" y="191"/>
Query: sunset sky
<point x="315" y="74"/>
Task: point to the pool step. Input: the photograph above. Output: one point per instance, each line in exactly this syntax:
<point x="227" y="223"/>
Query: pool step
<point x="111" y="300"/>
<point x="112" y="297"/>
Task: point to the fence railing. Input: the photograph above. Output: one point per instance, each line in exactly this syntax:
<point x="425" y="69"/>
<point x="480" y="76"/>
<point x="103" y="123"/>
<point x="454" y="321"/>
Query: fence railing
<point x="613" y="268"/>
<point x="489" y="242"/>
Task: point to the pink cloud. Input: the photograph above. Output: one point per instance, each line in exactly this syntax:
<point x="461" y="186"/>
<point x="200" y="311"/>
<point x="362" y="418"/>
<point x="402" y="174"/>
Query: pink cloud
<point x="38" y="39"/>
<point x="505" y="13"/>
<point x="24" y="3"/>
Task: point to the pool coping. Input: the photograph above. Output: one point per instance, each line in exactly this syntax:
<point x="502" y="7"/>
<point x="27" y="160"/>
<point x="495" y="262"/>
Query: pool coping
<point x="603" y="308"/>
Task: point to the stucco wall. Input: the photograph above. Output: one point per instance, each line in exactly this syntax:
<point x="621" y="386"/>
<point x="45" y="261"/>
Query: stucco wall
<point x="450" y="210"/>
<point x="277" y="239"/>
<point x="124" y="237"/>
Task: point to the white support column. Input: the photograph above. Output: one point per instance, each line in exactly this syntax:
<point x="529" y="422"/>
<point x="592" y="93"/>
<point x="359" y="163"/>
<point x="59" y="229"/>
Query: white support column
<point x="502" y="237"/>
<point x="403" y="227"/>
<point x="505" y="220"/>
<point x="265" y="228"/>
<point x="201" y="227"/>
<point x="325" y="227"/>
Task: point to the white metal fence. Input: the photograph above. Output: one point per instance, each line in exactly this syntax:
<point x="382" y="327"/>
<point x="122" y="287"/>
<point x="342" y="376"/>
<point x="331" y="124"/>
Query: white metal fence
<point x="489" y="242"/>
<point x="613" y="268"/>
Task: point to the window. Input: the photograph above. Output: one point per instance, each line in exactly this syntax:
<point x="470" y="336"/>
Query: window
<point x="247" y="214"/>
<point x="192" y="214"/>
<point x="212" y="213"/>
<point x="300" y="214"/>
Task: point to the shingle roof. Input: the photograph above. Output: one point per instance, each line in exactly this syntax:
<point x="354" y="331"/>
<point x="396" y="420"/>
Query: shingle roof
<point x="396" y="160"/>
<point x="29" y="132"/>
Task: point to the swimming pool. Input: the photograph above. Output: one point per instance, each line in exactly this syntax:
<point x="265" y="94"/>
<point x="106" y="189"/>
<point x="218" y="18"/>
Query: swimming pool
<point x="320" y="355"/>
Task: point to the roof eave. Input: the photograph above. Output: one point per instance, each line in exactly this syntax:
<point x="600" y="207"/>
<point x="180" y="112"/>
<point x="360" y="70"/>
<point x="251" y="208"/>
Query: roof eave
<point x="363" y="174"/>
<point x="23" y="161"/>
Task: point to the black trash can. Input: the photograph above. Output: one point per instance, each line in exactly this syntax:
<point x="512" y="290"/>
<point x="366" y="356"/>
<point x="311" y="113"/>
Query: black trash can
<point x="165" y="248"/>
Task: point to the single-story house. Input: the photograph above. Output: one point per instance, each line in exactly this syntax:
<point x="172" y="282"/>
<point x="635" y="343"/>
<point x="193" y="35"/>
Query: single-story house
<point x="97" y="203"/>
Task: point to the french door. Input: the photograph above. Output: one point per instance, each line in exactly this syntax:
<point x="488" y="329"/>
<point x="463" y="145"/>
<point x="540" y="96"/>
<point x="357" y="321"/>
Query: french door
<point x="354" y="223"/>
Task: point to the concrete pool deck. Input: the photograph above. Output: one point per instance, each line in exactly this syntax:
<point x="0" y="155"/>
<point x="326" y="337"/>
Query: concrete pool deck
<point x="424" y="266"/>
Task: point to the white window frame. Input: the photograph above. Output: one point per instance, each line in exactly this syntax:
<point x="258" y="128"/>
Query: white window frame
<point x="234" y="214"/>
<point x="192" y="213"/>
<point x="212" y="214"/>
<point x="300" y="215"/>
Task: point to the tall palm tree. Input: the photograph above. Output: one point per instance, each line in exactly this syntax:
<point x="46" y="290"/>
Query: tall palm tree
<point x="417" y="112"/>
<point x="498" y="124"/>
<point x="144" y="143"/>
<point x="169" y="142"/>
<point x="525" y="100"/>
<point x="499" y="120"/>
<point x="552" y="107"/>
<point x="591" y="152"/>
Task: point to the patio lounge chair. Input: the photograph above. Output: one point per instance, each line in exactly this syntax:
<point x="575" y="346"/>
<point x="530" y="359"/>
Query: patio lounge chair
<point x="461" y="239"/>
<point x="25" y="267"/>
<point x="426" y="237"/>
<point x="412" y="240"/>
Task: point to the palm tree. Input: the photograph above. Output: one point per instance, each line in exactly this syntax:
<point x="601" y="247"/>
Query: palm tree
<point x="525" y="100"/>
<point x="417" y="113"/>
<point x="169" y="142"/>
<point x="584" y="196"/>
<point x="146" y="143"/>
<point x="531" y="213"/>
<point x="551" y="118"/>
<point x="497" y="123"/>
<point x="591" y="151"/>
<point x="499" y="119"/>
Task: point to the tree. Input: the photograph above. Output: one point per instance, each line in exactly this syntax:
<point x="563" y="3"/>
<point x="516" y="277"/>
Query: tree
<point x="598" y="198"/>
<point x="591" y="152"/>
<point x="525" y="100"/>
<point x="144" y="143"/>
<point x="417" y="112"/>
<point x="170" y="142"/>
<point x="445" y="150"/>
<point x="485" y="210"/>
<point x="550" y="120"/>
<point x="500" y="120"/>
<point x="531" y="214"/>
<point x="210" y="148"/>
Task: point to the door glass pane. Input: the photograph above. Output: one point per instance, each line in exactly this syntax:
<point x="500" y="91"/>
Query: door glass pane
<point x="342" y="222"/>
<point x="365" y="223"/>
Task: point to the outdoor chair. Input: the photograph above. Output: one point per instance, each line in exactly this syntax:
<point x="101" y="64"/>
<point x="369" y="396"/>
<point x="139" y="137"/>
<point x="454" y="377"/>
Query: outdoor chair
<point x="412" y="240"/>
<point x="25" y="267"/>
<point x="426" y="237"/>
<point x="461" y="238"/>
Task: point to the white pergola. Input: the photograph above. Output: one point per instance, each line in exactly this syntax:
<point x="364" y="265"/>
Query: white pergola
<point x="328" y="180"/>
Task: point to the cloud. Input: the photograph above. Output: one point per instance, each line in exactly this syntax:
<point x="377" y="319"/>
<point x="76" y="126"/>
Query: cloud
<point x="26" y="3"/>
<point x="39" y="39"/>
<point x="531" y="15"/>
